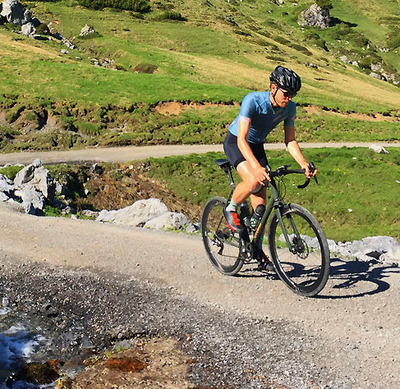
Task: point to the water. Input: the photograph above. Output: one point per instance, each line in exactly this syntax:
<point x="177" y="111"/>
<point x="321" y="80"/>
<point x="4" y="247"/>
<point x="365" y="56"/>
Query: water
<point x="18" y="345"/>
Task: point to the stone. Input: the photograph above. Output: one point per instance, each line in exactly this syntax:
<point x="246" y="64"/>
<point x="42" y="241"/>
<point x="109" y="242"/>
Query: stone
<point x="6" y="185"/>
<point x="315" y="16"/>
<point x="15" y="12"/>
<point x="168" y="221"/>
<point x="137" y="214"/>
<point x="378" y="149"/>
<point x="32" y="200"/>
<point x="87" y="30"/>
<point x="28" y="29"/>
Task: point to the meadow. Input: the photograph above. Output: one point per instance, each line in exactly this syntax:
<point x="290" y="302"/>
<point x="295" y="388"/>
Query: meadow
<point x="106" y="92"/>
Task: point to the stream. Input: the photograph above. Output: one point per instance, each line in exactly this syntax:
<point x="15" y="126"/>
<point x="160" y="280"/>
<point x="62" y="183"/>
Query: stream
<point x="21" y="345"/>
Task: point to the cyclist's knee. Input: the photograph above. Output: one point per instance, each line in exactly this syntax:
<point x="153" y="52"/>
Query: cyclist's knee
<point x="257" y="188"/>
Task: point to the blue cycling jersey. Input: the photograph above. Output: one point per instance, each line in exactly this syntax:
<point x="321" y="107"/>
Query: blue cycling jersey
<point x="257" y="107"/>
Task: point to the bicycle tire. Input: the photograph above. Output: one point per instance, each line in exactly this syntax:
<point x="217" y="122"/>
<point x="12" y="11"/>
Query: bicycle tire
<point x="306" y="270"/>
<point x="221" y="243"/>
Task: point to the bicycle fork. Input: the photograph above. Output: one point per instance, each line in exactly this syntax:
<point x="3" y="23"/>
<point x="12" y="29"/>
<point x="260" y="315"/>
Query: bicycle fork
<point x="295" y="243"/>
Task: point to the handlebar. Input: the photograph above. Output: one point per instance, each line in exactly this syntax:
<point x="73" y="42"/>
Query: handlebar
<point x="284" y="171"/>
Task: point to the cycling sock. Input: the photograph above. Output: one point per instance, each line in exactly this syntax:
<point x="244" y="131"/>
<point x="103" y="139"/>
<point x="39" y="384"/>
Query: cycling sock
<point x="232" y="206"/>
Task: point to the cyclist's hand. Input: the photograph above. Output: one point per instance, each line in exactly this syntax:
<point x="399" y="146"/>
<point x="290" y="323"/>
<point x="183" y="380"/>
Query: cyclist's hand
<point x="261" y="175"/>
<point x="310" y="170"/>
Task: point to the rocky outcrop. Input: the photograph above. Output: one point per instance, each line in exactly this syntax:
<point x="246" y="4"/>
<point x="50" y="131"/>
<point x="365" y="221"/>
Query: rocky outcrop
<point x="150" y="213"/>
<point x="14" y="12"/>
<point x="315" y="16"/>
<point x="32" y="188"/>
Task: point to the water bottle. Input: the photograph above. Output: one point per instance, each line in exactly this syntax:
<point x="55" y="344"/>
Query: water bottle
<point x="258" y="213"/>
<point x="245" y="214"/>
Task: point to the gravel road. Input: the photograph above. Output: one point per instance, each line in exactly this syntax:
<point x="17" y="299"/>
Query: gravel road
<point x="130" y="153"/>
<point x="100" y="283"/>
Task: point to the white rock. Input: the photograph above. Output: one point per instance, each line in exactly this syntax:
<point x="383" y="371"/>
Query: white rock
<point x="378" y="149"/>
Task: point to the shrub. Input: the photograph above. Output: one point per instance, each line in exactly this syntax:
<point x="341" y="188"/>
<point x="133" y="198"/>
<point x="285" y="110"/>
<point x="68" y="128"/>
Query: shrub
<point x="141" y="6"/>
<point x="170" y="15"/>
<point x="145" y="68"/>
<point x="42" y="29"/>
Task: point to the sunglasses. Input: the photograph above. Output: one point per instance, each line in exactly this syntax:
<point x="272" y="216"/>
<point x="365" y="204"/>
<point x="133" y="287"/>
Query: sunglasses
<point x="288" y="94"/>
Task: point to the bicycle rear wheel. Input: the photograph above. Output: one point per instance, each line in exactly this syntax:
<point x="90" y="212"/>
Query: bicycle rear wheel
<point x="303" y="262"/>
<point x="221" y="243"/>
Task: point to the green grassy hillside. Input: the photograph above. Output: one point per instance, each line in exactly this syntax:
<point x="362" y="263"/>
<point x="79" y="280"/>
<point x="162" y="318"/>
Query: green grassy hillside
<point x="216" y="53"/>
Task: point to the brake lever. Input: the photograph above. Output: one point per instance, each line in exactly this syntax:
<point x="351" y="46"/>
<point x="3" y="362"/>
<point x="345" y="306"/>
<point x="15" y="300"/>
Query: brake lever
<point x="312" y="169"/>
<point x="306" y="183"/>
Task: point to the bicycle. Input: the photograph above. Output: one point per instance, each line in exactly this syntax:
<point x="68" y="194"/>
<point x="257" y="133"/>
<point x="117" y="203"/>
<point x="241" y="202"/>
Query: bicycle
<point x="296" y="242"/>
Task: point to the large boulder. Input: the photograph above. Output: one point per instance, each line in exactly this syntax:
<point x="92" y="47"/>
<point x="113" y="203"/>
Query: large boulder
<point x="28" y="29"/>
<point x="15" y="12"/>
<point x="315" y="16"/>
<point x="150" y="213"/>
<point x="137" y="214"/>
<point x="35" y="187"/>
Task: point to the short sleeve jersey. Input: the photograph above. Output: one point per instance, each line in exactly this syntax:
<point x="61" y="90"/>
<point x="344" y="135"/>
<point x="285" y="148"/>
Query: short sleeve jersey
<point x="257" y="107"/>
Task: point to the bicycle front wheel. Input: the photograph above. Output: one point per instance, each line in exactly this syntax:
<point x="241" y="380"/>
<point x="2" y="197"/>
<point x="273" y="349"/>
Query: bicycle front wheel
<point x="221" y="243"/>
<point x="299" y="250"/>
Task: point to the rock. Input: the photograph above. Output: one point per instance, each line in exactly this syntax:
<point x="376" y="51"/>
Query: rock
<point x="6" y="186"/>
<point x="28" y="29"/>
<point x="87" y="30"/>
<point x="169" y="220"/>
<point x="376" y="67"/>
<point x="15" y="12"/>
<point x="34" y="186"/>
<point x="378" y="149"/>
<point x="377" y="76"/>
<point x="32" y="200"/>
<point x="137" y="214"/>
<point x="315" y="16"/>
<point x="3" y="197"/>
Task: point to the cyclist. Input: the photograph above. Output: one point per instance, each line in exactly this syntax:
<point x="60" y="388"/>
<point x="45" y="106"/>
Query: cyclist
<point x="260" y="113"/>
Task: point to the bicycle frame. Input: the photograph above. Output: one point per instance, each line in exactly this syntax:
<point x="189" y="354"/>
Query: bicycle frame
<point x="274" y="205"/>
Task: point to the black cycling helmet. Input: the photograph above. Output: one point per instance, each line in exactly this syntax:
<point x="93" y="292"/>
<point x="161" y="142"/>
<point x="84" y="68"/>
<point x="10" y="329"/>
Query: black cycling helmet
<point x="286" y="79"/>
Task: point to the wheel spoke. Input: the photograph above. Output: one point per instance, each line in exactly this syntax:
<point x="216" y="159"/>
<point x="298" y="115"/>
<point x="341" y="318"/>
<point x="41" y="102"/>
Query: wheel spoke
<point x="304" y="264"/>
<point x="221" y="243"/>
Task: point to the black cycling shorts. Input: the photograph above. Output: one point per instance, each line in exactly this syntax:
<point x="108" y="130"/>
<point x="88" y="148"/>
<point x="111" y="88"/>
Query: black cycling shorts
<point x="235" y="156"/>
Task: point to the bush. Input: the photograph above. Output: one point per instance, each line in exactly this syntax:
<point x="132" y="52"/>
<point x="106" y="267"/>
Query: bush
<point x="141" y="6"/>
<point x="145" y="68"/>
<point x="42" y="29"/>
<point x="170" y="15"/>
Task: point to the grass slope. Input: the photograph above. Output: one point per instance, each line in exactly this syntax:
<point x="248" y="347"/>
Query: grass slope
<point x="221" y="52"/>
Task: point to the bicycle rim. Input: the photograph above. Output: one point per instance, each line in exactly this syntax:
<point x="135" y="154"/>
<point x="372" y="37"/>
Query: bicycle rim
<point x="303" y="265"/>
<point x="221" y="243"/>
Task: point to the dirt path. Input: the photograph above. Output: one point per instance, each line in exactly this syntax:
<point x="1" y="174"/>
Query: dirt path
<point x="354" y="325"/>
<point x="125" y="154"/>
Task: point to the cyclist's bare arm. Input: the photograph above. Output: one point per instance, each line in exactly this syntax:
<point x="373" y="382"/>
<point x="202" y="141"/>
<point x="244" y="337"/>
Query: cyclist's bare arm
<point x="294" y="149"/>
<point x="243" y="130"/>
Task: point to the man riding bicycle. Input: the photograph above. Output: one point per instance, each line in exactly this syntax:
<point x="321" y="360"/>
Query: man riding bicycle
<point x="260" y="113"/>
